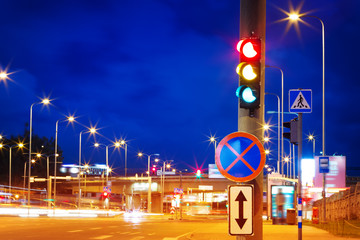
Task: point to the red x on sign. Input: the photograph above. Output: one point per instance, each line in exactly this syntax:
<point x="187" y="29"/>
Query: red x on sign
<point x="240" y="157"/>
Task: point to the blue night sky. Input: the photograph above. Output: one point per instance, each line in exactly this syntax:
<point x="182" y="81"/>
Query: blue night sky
<point x="161" y="74"/>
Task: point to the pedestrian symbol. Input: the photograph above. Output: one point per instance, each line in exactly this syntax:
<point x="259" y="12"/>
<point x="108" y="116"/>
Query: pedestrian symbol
<point x="300" y="100"/>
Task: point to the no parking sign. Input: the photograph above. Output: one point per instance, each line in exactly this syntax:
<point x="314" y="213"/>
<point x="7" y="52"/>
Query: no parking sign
<point x="240" y="157"/>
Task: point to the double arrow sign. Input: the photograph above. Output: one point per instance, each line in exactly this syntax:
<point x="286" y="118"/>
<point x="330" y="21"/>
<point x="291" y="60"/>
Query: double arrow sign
<point x="241" y="209"/>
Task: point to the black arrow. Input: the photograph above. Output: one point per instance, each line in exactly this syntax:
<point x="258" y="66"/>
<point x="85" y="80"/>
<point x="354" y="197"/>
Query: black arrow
<point x="241" y="220"/>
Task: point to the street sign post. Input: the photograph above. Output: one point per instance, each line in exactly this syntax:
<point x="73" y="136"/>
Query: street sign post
<point x="300" y="100"/>
<point x="241" y="209"/>
<point x="240" y="157"/>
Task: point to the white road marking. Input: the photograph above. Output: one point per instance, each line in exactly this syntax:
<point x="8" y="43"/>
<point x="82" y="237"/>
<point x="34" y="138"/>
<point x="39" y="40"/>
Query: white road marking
<point x="124" y="232"/>
<point x="95" y="228"/>
<point x="72" y="231"/>
<point x="137" y="238"/>
<point x="102" y="237"/>
<point x="178" y="237"/>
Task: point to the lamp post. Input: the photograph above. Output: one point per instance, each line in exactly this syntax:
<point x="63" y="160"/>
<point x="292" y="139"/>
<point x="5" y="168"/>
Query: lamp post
<point x="213" y="140"/>
<point x="116" y="145"/>
<point x="123" y="143"/>
<point x="297" y="17"/>
<point x="149" y="178"/>
<point x="278" y="111"/>
<point x="282" y="108"/>
<point x="312" y="138"/>
<point x="166" y="165"/>
<point x="91" y="131"/>
<point x="32" y="161"/>
<point x="39" y="155"/>
<point x="44" y="101"/>
<point x="69" y="119"/>
<point x="19" y="145"/>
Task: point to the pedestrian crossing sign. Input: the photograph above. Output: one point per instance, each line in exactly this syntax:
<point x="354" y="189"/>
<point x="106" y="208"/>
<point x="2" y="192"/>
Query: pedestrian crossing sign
<point x="300" y="100"/>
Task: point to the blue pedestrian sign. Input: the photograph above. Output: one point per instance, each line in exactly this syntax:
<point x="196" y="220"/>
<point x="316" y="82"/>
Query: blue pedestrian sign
<point x="300" y="100"/>
<point x="324" y="164"/>
<point x="240" y="157"/>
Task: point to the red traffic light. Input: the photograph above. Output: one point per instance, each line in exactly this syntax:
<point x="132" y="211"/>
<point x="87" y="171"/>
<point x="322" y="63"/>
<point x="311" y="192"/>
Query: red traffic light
<point x="249" y="49"/>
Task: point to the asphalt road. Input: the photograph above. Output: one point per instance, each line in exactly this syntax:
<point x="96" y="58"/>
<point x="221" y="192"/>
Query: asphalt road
<point x="16" y="228"/>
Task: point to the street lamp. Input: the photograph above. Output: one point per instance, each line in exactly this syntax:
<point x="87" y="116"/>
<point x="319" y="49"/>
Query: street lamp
<point x="282" y="107"/>
<point x="45" y="102"/>
<point x="279" y="127"/>
<point x="91" y="130"/>
<point x="140" y="154"/>
<point x="124" y="144"/>
<point x="32" y="161"/>
<point x="39" y="155"/>
<point x="116" y="145"/>
<point x="70" y="119"/>
<point x="19" y="145"/>
<point x="295" y="17"/>
<point x="213" y="140"/>
<point x="312" y="138"/>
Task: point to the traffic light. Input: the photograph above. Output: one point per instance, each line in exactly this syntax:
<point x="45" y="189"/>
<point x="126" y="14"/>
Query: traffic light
<point x="293" y="134"/>
<point x="106" y="194"/>
<point x="198" y="173"/>
<point x="153" y="170"/>
<point x="249" y="71"/>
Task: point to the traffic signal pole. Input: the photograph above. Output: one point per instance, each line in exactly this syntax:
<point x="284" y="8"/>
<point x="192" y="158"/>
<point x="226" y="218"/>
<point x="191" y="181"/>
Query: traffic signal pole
<point x="253" y="23"/>
<point x="299" y="136"/>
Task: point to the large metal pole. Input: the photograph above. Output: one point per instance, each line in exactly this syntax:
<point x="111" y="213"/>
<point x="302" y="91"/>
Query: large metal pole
<point x="278" y="111"/>
<point x="48" y="181"/>
<point x="149" y="188"/>
<point x="30" y="136"/>
<point x="125" y="159"/>
<point x="253" y="22"/>
<point x="56" y="140"/>
<point x="10" y="150"/>
<point x="323" y="107"/>
<point x="79" y="199"/>
<point x="299" y="132"/>
<point x="107" y="164"/>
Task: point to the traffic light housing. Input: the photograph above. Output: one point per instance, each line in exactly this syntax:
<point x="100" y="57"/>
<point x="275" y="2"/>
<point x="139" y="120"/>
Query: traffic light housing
<point x="249" y="71"/>
<point x="293" y="134"/>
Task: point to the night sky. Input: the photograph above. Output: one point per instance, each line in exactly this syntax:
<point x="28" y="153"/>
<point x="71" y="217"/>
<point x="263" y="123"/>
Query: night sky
<point x="161" y="74"/>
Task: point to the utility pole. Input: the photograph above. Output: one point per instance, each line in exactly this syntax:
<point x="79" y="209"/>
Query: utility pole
<point x="253" y="23"/>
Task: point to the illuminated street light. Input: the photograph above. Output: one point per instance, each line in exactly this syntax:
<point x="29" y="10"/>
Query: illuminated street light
<point x="69" y="119"/>
<point x="267" y="151"/>
<point x="116" y="145"/>
<point x="44" y="101"/>
<point x="140" y="154"/>
<point x="212" y="139"/>
<point x="19" y="145"/>
<point x="312" y="138"/>
<point x="91" y="130"/>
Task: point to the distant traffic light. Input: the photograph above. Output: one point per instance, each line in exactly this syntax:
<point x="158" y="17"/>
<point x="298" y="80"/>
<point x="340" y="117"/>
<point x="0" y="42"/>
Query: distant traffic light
<point x="249" y="71"/>
<point x="106" y="194"/>
<point x="198" y="173"/>
<point x="293" y="134"/>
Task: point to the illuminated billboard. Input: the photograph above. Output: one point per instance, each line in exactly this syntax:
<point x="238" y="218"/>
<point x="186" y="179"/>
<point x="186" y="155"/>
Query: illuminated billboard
<point x="288" y="193"/>
<point x="336" y="178"/>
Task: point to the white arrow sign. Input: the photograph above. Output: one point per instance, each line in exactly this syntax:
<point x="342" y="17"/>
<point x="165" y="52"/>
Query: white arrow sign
<point x="241" y="204"/>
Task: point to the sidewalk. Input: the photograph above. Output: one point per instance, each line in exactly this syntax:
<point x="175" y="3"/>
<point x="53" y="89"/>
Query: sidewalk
<point x="270" y="232"/>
